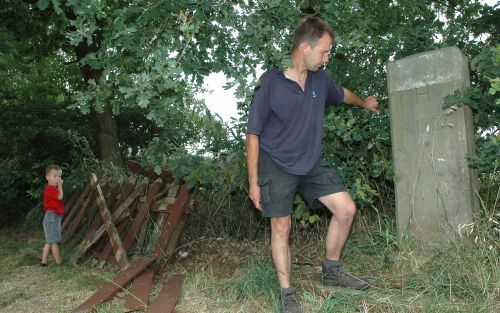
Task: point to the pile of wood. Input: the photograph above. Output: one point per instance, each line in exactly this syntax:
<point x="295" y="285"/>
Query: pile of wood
<point x="137" y="298"/>
<point x="121" y="221"/>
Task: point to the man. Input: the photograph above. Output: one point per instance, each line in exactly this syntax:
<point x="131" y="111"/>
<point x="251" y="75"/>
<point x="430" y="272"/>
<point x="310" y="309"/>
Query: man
<point x="283" y="142"/>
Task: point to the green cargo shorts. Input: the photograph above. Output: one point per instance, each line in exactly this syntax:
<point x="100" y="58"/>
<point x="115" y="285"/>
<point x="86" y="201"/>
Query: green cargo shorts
<point x="278" y="188"/>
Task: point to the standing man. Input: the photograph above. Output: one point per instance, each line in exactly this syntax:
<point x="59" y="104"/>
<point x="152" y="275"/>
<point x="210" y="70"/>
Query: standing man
<point x="283" y="143"/>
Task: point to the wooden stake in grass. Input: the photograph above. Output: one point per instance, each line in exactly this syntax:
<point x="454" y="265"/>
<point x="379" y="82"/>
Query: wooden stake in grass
<point x="114" y="237"/>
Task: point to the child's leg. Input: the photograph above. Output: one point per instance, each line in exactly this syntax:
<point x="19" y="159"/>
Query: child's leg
<point x="56" y="253"/>
<point x="48" y="222"/>
<point x="45" y="253"/>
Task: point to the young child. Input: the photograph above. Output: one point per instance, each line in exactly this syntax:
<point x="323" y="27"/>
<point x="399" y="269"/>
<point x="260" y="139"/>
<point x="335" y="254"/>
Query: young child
<point x="54" y="209"/>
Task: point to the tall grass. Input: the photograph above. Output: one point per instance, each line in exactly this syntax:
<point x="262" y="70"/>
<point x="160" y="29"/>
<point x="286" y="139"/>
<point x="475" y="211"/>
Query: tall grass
<point x="224" y="213"/>
<point x="258" y="282"/>
<point x="461" y="277"/>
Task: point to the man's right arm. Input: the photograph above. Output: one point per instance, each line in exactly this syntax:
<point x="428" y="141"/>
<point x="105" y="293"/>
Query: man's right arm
<point x="252" y="146"/>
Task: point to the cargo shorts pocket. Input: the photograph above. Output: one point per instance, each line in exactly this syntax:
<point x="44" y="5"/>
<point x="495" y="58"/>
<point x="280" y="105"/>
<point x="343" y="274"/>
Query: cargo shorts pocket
<point x="334" y="178"/>
<point x="330" y="173"/>
<point x="265" y="190"/>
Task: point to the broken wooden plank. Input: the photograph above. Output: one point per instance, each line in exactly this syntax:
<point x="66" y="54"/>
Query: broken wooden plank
<point x="69" y="204"/>
<point x="97" y="221"/>
<point x="111" y="288"/>
<point x="114" y="202"/>
<point x="69" y="216"/>
<point x="153" y="191"/>
<point x="137" y="297"/>
<point x="159" y="225"/>
<point x="135" y="167"/>
<point x="114" y="238"/>
<point x="78" y="218"/>
<point x="113" y="196"/>
<point x="122" y="228"/>
<point x="167" y="298"/>
<point x="111" y="200"/>
<point x="177" y="212"/>
<point x="170" y="248"/>
<point x="141" y="215"/>
<point x="147" y="171"/>
<point x="125" y="193"/>
<point x="92" y="238"/>
<point x="106" y="251"/>
<point x="151" y="174"/>
<point x="167" y="177"/>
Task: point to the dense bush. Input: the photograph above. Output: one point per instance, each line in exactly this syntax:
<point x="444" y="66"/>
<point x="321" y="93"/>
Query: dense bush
<point x="150" y="85"/>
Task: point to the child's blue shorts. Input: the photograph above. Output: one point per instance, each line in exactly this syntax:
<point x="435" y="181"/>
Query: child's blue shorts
<point x="52" y="227"/>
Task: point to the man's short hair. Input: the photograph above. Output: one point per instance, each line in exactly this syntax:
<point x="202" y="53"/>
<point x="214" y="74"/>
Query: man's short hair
<point x="52" y="167"/>
<point x="310" y="29"/>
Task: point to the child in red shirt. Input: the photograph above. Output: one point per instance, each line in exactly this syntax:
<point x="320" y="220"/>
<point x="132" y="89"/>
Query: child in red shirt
<point x="54" y="209"/>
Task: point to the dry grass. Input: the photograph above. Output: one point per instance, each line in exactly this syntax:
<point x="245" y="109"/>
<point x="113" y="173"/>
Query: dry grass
<point x="32" y="288"/>
<point x="224" y="275"/>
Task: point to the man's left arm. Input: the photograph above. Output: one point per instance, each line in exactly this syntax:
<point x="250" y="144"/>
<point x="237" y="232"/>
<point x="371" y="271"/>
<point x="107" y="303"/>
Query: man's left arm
<point x="370" y="103"/>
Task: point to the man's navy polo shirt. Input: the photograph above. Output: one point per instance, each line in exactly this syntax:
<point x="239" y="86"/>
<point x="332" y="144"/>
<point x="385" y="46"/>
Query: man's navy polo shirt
<point x="289" y="120"/>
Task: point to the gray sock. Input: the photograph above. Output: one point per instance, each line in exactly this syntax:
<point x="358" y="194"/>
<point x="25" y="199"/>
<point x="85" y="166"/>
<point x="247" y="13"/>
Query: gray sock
<point x="285" y="291"/>
<point x="329" y="264"/>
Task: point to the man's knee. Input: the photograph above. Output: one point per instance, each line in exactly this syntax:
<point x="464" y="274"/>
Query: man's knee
<point x="281" y="226"/>
<point x="345" y="213"/>
<point x="342" y="206"/>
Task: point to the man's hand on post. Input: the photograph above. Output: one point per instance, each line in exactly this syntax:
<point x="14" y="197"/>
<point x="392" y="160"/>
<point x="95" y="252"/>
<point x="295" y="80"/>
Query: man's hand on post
<point x="371" y="104"/>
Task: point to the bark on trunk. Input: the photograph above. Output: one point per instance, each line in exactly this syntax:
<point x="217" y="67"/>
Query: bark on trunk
<point x="106" y="132"/>
<point x="103" y="123"/>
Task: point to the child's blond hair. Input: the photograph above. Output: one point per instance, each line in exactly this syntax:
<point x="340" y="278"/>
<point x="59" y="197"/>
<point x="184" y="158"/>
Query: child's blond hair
<point x="52" y="167"/>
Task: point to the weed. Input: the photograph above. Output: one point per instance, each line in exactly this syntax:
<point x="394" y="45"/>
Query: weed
<point x="115" y="306"/>
<point x="259" y="281"/>
<point x="462" y="277"/>
<point x="224" y="214"/>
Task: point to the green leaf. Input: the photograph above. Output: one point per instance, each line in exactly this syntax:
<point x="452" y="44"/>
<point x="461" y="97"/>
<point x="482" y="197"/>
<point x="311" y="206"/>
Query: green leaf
<point x="57" y="7"/>
<point x="43" y="4"/>
<point x="143" y="100"/>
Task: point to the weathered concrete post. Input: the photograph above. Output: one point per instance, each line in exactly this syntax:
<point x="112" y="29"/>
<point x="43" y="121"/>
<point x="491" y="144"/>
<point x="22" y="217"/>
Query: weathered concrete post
<point x="435" y="188"/>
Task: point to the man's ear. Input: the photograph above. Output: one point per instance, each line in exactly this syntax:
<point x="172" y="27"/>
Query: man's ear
<point x="305" y="47"/>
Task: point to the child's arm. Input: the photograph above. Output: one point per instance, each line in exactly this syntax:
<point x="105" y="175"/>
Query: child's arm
<point x="59" y="187"/>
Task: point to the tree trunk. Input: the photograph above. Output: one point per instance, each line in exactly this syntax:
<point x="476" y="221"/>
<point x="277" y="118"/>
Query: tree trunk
<point x="106" y="132"/>
<point x="103" y="123"/>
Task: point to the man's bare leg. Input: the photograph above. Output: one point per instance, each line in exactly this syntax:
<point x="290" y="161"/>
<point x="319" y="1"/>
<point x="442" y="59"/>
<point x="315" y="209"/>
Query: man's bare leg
<point x="343" y="210"/>
<point x="280" y="233"/>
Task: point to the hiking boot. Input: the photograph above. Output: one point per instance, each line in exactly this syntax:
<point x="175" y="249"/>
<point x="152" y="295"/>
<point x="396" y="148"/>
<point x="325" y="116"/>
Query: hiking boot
<point x="335" y="277"/>
<point x="289" y="303"/>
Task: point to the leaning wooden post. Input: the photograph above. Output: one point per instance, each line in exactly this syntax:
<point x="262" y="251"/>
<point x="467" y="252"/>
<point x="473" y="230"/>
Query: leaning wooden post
<point x="114" y="237"/>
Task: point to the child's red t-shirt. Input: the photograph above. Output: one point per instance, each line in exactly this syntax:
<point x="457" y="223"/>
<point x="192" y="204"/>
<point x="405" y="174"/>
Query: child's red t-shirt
<point x="50" y="201"/>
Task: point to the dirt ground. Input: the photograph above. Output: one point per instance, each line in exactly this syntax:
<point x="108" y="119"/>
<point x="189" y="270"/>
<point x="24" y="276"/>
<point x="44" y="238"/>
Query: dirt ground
<point x="33" y="288"/>
<point x="38" y="289"/>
